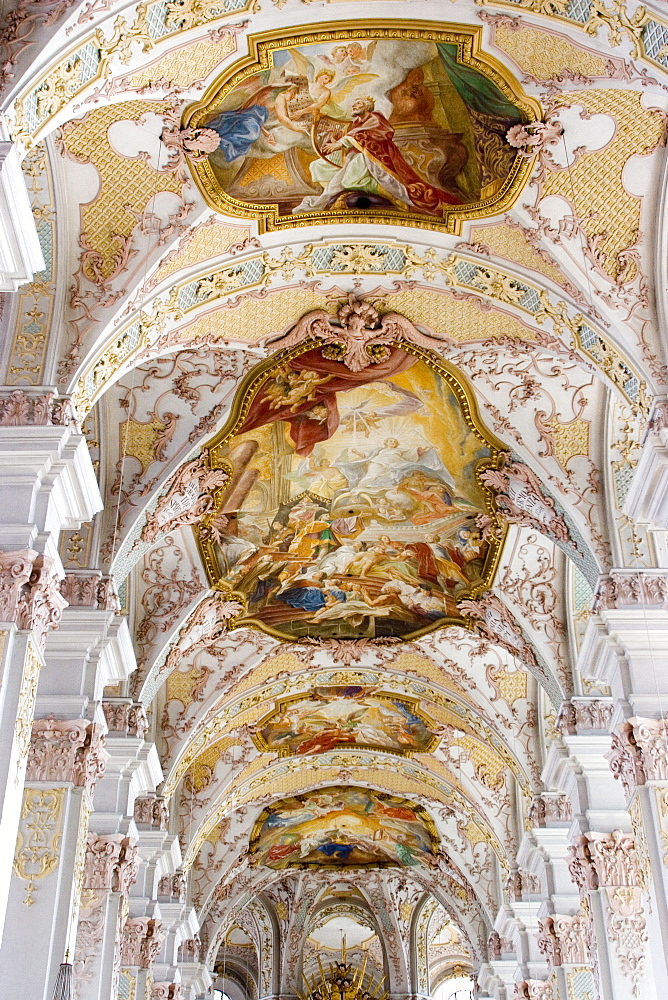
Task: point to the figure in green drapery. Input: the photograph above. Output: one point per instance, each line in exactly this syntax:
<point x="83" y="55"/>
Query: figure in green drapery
<point x="478" y="92"/>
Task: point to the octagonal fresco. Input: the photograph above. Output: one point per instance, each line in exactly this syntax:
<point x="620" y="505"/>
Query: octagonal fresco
<point x="337" y="827"/>
<point x="330" y="717"/>
<point x="355" y="507"/>
<point x="359" y="125"/>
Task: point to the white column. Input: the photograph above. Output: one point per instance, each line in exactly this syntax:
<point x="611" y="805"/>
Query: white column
<point x="65" y="759"/>
<point x="47" y="483"/>
<point x="617" y="850"/>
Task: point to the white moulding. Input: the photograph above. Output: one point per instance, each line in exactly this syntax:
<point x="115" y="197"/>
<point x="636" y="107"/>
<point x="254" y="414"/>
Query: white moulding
<point x="20" y="252"/>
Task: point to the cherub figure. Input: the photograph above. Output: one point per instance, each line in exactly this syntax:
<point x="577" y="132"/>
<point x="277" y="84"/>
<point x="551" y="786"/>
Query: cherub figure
<point x="329" y="86"/>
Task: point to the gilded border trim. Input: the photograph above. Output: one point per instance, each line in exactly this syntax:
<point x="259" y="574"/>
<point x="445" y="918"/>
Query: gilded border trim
<point x="245" y="395"/>
<point x="261" y="48"/>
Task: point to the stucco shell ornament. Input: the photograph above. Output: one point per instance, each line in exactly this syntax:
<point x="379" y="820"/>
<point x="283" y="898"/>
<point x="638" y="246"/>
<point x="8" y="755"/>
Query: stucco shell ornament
<point x="399" y="122"/>
<point x="356" y="506"/>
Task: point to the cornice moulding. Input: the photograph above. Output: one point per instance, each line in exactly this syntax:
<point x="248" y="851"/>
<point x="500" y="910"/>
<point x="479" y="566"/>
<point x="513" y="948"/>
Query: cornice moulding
<point x="20" y="253"/>
<point x="647" y="499"/>
<point x="55" y="458"/>
<point x="117" y="658"/>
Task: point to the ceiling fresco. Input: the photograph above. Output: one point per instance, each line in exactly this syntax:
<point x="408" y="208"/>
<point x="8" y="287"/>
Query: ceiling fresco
<point x="364" y="319"/>
<point x="345" y="716"/>
<point x="355" y="502"/>
<point x="350" y="125"/>
<point x="343" y="827"/>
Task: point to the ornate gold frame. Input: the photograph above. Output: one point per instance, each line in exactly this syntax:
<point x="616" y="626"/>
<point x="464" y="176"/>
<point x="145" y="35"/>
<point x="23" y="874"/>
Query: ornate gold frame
<point x="261" y="47"/>
<point x="281" y="705"/>
<point x="246" y="392"/>
<point x="420" y="812"/>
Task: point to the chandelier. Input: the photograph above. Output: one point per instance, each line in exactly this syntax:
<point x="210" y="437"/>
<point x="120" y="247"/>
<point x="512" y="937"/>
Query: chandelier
<point x="343" y="981"/>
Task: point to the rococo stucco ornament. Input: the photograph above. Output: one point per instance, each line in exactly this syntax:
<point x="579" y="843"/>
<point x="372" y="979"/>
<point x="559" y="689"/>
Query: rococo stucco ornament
<point x="358" y="337"/>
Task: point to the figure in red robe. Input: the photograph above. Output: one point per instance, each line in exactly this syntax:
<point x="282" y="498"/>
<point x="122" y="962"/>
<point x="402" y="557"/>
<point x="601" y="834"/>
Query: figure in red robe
<point x="372" y="163"/>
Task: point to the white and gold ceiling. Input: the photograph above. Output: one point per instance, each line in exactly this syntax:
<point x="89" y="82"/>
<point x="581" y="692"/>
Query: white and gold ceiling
<point x="339" y="605"/>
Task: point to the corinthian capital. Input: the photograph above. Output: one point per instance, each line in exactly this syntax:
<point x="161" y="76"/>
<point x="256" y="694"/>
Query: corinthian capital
<point x="166" y="991"/>
<point x="90" y="590"/>
<point x="41" y="604"/>
<point x="66" y="750"/>
<point x="15" y="570"/>
<point x="629" y="588"/>
<point x="533" y="989"/>
<point x="604" y="859"/>
<point x="563" y="939"/>
<point x="122" y="715"/>
<point x="583" y="715"/>
<point x="30" y="592"/>
<point x="111" y="862"/>
<point x="640" y="752"/>
<point x="152" y="811"/>
<point x="142" y="940"/>
<point x="19" y="408"/>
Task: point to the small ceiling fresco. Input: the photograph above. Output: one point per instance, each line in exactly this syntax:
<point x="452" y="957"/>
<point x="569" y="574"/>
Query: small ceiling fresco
<point x="404" y="123"/>
<point x="337" y="827"/>
<point x="345" y="716"/>
<point x="354" y="504"/>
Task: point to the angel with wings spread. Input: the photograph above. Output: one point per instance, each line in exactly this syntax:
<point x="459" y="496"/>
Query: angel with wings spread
<point x="327" y="91"/>
<point x="283" y="112"/>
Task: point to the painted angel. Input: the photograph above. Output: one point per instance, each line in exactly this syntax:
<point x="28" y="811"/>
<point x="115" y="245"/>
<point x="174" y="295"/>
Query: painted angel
<point x="349" y="59"/>
<point x="263" y="124"/>
<point x="329" y="95"/>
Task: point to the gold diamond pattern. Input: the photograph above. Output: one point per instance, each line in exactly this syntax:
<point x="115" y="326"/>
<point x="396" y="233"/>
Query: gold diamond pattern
<point x="126" y="186"/>
<point x="594" y="184"/>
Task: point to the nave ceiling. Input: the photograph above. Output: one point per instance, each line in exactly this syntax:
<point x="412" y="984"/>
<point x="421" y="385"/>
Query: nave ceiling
<point x="417" y="694"/>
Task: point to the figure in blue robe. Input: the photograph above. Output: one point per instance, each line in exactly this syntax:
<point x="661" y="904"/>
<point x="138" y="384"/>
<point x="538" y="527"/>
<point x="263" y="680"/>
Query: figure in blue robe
<point x="238" y="130"/>
<point x="340" y="852"/>
<point x="308" y="598"/>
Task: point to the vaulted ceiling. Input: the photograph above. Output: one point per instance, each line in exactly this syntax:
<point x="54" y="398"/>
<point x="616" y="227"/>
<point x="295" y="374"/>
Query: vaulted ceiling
<point x="526" y="270"/>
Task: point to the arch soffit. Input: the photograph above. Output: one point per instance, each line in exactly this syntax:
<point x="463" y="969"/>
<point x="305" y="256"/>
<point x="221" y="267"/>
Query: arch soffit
<point x="252" y="698"/>
<point x="408" y="779"/>
<point x="460" y="295"/>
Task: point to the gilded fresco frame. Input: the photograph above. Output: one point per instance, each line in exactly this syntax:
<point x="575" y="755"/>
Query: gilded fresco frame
<point x="282" y="704"/>
<point x="420" y="812"/>
<point x="245" y="394"/>
<point x="467" y="38"/>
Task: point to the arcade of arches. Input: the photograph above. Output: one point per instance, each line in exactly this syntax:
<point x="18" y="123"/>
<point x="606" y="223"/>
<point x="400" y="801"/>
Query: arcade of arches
<point x="334" y="500"/>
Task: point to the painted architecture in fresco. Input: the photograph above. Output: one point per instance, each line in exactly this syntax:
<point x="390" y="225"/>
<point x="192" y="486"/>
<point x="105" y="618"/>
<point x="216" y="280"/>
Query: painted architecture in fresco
<point x="346" y="716"/>
<point x="362" y="124"/>
<point x="355" y="503"/>
<point x="343" y="827"/>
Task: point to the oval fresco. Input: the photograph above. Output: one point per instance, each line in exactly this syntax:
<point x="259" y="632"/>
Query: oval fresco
<point x="355" y="507"/>
<point x="358" y="716"/>
<point x="338" y="827"/>
<point x="362" y="124"/>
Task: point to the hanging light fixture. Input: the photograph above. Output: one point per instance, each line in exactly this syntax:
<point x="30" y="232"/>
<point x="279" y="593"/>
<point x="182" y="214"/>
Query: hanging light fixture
<point x="62" y="989"/>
